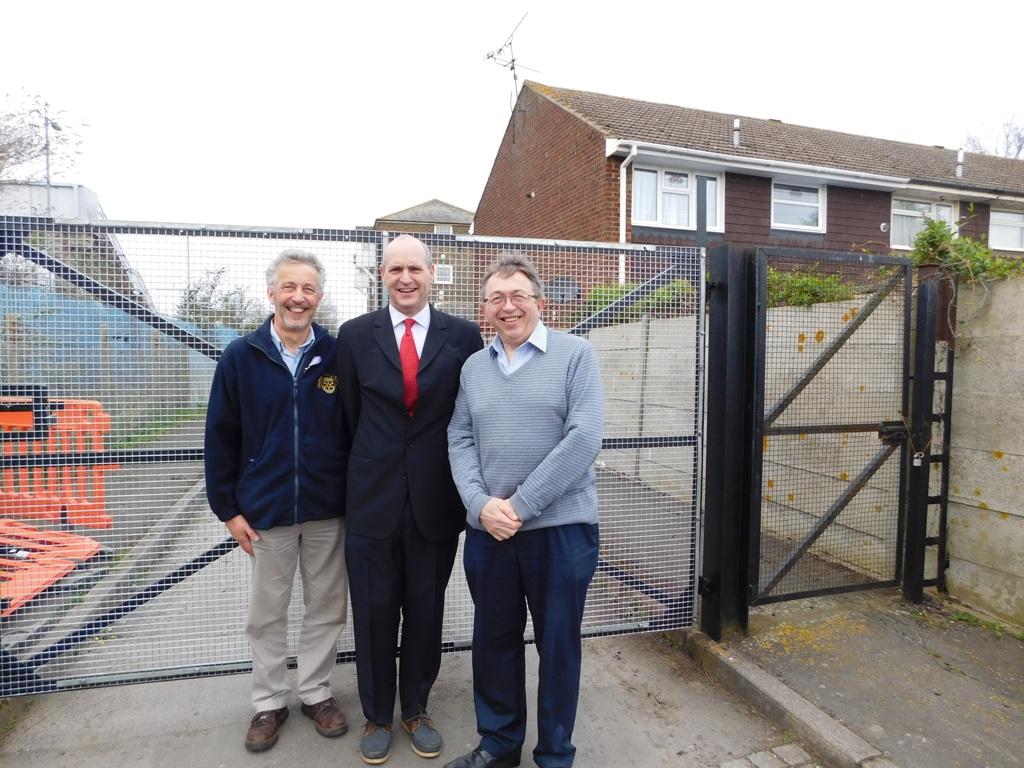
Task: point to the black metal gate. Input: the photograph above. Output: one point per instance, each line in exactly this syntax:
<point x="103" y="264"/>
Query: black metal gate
<point x="831" y="363"/>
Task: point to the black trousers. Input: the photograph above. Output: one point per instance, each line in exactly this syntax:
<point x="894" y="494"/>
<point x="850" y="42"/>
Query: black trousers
<point x="400" y="579"/>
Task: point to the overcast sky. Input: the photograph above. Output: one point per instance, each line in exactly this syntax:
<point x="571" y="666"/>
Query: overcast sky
<point x="331" y="114"/>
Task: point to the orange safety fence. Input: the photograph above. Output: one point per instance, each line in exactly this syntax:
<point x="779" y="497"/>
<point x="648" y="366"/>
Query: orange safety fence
<point x="72" y="493"/>
<point x="32" y="560"/>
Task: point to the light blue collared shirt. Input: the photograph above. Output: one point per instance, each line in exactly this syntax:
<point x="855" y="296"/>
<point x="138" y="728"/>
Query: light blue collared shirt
<point x="292" y="361"/>
<point x="538" y="342"/>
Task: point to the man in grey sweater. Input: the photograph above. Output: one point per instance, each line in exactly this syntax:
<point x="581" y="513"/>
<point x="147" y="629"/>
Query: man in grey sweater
<point x="522" y="442"/>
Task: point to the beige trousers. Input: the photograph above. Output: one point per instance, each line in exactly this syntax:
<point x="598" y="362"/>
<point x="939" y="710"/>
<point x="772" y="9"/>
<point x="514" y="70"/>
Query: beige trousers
<point x="318" y="548"/>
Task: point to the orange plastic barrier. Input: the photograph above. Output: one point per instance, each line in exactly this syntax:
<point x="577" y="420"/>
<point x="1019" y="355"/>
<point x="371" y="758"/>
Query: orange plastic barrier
<point x="71" y="494"/>
<point x="15" y="416"/>
<point x="20" y="581"/>
<point x="32" y="560"/>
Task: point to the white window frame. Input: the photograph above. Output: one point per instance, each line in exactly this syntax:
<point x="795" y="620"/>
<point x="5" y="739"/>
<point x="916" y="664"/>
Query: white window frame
<point x="821" y="205"/>
<point x="953" y="213"/>
<point x="691" y="191"/>
<point x="1019" y="225"/>
<point x="444" y="274"/>
<point x="443" y="229"/>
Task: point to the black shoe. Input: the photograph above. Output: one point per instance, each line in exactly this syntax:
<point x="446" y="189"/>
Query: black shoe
<point x="481" y="758"/>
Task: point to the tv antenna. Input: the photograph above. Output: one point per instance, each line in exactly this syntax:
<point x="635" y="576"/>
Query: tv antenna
<point x="505" y="56"/>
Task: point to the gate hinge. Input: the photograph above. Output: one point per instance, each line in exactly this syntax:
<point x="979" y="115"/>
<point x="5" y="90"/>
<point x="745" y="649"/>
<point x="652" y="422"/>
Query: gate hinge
<point x="893" y="432"/>
<point x="705" y="587"/>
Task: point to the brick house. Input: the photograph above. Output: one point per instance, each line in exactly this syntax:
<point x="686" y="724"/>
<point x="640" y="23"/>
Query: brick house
<point x="586" y="166"/>
<point x="434" y="216"/>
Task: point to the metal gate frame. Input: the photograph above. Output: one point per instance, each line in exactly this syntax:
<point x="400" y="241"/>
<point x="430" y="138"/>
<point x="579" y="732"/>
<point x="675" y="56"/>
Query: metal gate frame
<point x="736" y="425"/>
<point x="893" y="435"/>
<point x="19" y="676"/>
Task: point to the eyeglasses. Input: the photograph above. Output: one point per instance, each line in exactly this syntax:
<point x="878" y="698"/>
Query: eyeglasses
<point x="499" y="299"/>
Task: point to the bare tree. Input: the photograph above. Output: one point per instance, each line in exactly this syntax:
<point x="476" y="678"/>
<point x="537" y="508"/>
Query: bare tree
<point x="1009" y="143"/>
<point x="209" y="304"/>
<point x="32" y="134"/>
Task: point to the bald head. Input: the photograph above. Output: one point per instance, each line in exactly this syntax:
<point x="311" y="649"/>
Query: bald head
<point x="407" y="273"/>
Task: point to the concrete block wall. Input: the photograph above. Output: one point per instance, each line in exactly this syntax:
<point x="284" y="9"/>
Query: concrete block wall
<point x="647" y="367"/>
<point x="649" y="389"/>
<point x="986" y="510"/>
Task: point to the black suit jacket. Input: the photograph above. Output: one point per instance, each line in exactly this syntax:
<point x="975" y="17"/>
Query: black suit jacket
<point x="393" y="455"/>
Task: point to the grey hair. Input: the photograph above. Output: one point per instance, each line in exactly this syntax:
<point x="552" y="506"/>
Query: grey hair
<point x="426" y="249"/>
<point x="506" y="265"/>
<point x="296" y="256"/>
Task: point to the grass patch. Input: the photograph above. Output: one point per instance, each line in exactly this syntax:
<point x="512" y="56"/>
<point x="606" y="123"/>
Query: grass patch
<point x="10" y="711"/>
<point x="976" y="621"/>
<point x="159" y="426"/>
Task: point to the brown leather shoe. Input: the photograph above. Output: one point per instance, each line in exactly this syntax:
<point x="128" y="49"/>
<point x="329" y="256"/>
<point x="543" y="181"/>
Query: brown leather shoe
<point x="262" y="733"/>
<point x="330" y="721"/>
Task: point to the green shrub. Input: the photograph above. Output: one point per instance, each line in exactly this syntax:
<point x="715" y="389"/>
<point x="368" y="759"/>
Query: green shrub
<point x="802" y="289"/>
<point x="669" y="300"/>
<point x="969" y="260"/>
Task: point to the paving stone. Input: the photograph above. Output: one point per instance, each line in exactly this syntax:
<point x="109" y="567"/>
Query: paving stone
<point x="792" y="754"/>
<point x="766" y="760"/>
<point x="741" y="763"/>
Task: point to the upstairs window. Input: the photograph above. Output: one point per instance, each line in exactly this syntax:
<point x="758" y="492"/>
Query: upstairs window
<point x="667" y="197"/>
<point x="1006" y="230"/>
<point x="908" y="218"/>
<point x="442" y="229"/>
<point x="797" y="207"/>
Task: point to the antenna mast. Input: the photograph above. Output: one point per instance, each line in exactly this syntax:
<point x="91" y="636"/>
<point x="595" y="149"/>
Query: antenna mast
<point x="499" y="57"/>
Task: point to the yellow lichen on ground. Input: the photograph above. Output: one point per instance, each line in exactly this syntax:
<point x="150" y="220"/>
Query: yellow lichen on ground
<point x="818" y="637"/>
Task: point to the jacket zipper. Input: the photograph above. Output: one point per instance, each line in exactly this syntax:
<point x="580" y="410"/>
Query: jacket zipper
<point x="295" y="419"/>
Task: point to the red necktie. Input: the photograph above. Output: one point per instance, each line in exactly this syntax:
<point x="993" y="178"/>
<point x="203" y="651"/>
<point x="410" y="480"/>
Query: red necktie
<point x="410" y="366"/>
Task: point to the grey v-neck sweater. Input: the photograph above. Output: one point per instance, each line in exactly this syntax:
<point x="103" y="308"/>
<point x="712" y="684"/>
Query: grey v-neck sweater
<point x="531" y="436"/>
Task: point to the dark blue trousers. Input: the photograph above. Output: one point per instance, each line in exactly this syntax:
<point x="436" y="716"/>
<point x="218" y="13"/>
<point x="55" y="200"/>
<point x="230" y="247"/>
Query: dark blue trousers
<point x="402" y="577"/>
<point x="549" y="571"/>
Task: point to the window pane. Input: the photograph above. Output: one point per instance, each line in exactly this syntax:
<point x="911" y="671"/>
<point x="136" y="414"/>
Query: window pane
<point x="796" y="215"/>
<point x="1006" y="236"/>
<point x="645" y="195"/>
<point x="675" y="210"/>
<point x="711" y="220"/>
<point x="944" y="213"/>
<point x="1007" y="217"/>
<point x="788" y="193"/>
<point x="925" y="209"/>
<point x="905" y="229"/>
<point x="675" y="180"/>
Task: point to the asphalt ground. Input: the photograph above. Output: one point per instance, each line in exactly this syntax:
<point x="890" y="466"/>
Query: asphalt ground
<point x="859" y="679"/>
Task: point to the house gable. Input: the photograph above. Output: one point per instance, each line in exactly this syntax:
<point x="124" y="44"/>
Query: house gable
<point x="550" y="177"/>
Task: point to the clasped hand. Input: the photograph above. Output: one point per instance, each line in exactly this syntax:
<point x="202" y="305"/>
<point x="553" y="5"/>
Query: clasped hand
<point x="499" y="519"/>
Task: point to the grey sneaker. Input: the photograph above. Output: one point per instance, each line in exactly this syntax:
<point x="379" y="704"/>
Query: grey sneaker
<point x="375" y="745"/>
<point x="425" y="740"/>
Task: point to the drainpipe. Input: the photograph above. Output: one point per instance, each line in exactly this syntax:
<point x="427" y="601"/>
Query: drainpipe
<point x="622" y="208"/>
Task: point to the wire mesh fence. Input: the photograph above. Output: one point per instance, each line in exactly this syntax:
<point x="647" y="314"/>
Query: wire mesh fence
<point x="112" y="567"/>
<point x="834" y="362"/>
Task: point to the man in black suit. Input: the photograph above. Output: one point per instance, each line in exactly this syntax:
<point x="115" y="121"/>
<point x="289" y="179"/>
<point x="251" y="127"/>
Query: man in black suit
<point x="398" y="371"/>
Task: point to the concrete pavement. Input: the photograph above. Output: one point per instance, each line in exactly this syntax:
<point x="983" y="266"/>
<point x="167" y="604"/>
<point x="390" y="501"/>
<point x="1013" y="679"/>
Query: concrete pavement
<point x="851" y="681"/>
